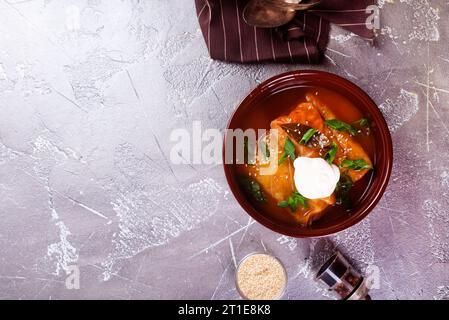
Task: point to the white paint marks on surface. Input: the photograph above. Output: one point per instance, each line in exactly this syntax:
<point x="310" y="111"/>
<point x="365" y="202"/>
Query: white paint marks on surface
<point x="442" y="293"/>
<point x="150" y="220"/>
<point x="22" y="77"/>
<point x="7" y="153"/>
<point x="231" y="248"/>
<point x="342" y="38"/>
<point x="393" y="35"/>
<point x="438" y="224"/>
<point x="358" y="242"/>
<point x="339" y="53"/>
<point x="381" y="3"/>
<point x="399" y="111"/>
<point x="290" y="242"/>
<point x="389" y="32"/>
<point x="319" y="251"/>
<point x="62" y="253"/>
<point x="355" y="243"/>
<point x="445" y="179"/>
<point x="425" y="21"/>
<point x="42" y="144"/>
<point x="243" y="229"/>
<point x="6" y="83"/>
<point x="305" y="268"/>
<point x="91" y="210"/>
<point x="87" y="78"/>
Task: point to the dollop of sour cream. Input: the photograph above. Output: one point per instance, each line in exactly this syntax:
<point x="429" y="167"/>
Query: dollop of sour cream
<point x="315" y="178"/>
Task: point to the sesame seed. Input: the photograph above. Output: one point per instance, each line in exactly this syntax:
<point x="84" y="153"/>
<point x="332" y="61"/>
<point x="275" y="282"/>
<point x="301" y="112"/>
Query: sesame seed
<point x="261" y="277"/>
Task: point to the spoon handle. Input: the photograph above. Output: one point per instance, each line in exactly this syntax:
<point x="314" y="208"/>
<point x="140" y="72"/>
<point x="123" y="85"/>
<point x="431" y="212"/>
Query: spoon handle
<point x="300" y="6"/>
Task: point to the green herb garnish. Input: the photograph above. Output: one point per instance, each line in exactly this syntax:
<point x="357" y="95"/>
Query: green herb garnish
<point x="358" y="164"/>
<point x="265" y="149"/>
<point x="248" y="155"/>
<point x="344" y="185"/>
<point x="330" y="155"/>
<point x="307" y="136"/>
<point x="363" y="122"/>
<point x="289" y="151"/>
<point x="341" y="126"/>
<point x="254" y="189"/>
<point x="295" y="200"/>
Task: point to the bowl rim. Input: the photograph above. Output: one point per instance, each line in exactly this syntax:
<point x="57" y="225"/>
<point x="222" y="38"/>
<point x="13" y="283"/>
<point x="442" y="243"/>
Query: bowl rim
<point x="386" y="146"/>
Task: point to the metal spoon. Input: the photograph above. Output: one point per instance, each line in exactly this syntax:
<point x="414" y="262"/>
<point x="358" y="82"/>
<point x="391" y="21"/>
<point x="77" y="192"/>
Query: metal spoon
<point x="273" y="13"/>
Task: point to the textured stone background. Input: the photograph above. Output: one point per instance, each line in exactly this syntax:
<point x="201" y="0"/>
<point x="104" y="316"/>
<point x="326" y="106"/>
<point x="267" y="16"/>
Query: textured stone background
<point x="89" y="93"/>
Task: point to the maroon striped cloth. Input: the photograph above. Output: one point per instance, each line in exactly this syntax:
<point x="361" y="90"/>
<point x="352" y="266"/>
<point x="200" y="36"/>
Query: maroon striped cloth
<point x="303" y="40"/>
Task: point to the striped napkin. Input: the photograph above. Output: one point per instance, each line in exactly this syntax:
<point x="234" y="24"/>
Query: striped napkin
<point x="303" y="40"/>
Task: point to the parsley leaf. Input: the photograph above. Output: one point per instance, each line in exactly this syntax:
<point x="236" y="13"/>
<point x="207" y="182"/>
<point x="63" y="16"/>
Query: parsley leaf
<point x="344" y="185"/>
<point x="289" y="151"/>
<point x="358" y="164"/>
<point x="295" y="200"/>
<point x="341" y="126"/>
<point x="330" y="155"/>
<point x="307" y="136"/>
<point x="363" y="122"/>
<point x="254" y="189"/>
<point x="283" y="204"/>
<point x="248" y="155"/>
<point x="265" y="150"/>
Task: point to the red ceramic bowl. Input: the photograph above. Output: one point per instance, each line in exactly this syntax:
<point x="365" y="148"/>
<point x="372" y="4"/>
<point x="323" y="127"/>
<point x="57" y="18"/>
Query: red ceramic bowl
<point x="382" y="160"/>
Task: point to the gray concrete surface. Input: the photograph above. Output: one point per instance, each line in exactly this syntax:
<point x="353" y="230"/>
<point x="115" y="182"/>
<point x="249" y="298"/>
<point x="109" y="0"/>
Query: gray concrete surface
<point x="89" y="93"/>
